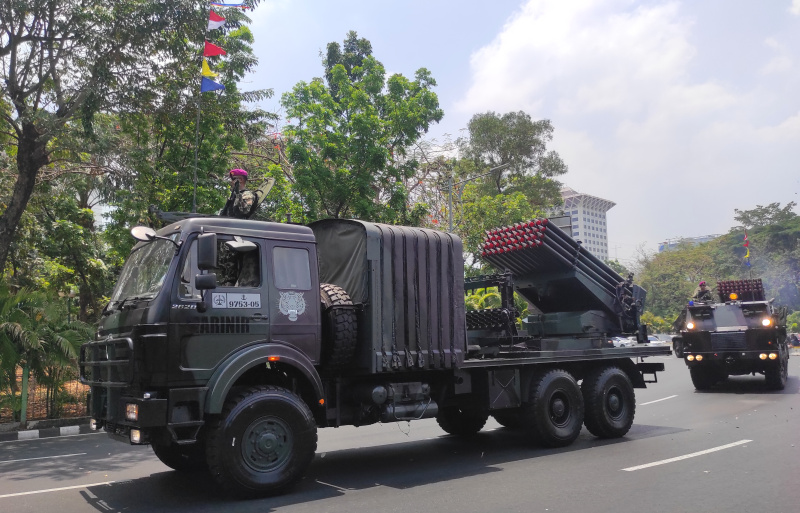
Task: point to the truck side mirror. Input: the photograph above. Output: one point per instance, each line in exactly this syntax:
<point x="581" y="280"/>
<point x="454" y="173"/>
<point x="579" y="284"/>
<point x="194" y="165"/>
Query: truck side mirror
<point x="205" y="281"/>
<point x="207" y="251"/>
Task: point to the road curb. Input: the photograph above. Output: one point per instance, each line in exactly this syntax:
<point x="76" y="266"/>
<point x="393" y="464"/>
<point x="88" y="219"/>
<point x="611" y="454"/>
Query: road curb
<point x="31" y="434"/>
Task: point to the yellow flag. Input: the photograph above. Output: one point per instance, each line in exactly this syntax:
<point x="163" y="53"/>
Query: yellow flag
<point x="206" y="71"/>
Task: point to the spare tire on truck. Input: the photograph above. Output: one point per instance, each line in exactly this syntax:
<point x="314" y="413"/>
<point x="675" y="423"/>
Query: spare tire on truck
<point x="338" y="326"/>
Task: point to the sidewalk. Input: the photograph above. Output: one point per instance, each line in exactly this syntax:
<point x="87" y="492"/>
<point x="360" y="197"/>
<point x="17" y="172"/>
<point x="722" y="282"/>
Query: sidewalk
<point x="45" y="429"/>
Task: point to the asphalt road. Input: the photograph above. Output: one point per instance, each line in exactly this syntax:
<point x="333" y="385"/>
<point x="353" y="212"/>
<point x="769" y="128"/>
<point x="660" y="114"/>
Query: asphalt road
<point x="735" y="449"/>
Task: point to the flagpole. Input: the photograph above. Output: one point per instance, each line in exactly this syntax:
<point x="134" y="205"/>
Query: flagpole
<point x="197" y="122"/>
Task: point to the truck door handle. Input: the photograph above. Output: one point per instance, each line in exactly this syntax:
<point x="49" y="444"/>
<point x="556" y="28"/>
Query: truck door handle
<point x="258" y="316"/>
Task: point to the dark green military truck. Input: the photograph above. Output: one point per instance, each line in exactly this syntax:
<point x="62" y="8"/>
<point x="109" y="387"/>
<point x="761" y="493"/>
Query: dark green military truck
<point x="227" y="343"/>
<point x="741" y="333"/>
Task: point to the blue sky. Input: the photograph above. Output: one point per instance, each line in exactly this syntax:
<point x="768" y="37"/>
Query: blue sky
<point x="679" y="112"/>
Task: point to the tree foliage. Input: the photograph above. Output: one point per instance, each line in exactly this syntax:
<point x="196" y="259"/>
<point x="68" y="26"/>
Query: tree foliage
<point x="352" y="132"/>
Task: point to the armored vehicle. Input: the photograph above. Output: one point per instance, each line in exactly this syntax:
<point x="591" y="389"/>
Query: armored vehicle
<point x="742" y="333"/>
<point x="228" y="342"/>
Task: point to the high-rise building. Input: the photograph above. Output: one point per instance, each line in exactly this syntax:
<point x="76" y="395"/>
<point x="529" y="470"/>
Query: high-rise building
<point x="588" y="216"/>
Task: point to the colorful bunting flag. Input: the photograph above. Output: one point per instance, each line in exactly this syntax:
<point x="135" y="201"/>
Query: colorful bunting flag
<point x="206" y="71"/>
<point x="209" y="85"/>
<point x="747" y="254"/>
<point x="224" y="4"/>
<point x="212" y="50"/>
<point x="215" y="21"/>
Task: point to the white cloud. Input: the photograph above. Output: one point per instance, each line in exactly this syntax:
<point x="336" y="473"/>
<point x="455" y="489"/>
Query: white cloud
<point x="795" y="7"/>
<point x="641" y="120"/>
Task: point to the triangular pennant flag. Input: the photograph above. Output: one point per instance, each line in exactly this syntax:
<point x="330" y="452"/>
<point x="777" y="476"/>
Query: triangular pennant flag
<point x="209" y="85"/>
<point x="206" y="71"/>
<point x="215" y="21"/>
<point x="211" y="50"/>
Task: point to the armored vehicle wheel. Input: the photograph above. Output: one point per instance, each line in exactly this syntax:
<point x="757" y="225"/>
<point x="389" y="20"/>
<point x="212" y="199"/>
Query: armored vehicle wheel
<point x="677" y="347"/>
<point x="509" y="418"/>
<point x="703" y="378"/>
<point x="183" y="458"/>
<point x="778" y="375"/>
<point x="262" y="442"/>
<point x="554" y="411"/>
<point x="338" y="326"/>
<point x="462" y="421"/>
<point x="609" y="401"/>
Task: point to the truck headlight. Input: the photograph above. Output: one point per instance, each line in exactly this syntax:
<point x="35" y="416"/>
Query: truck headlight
<point x="766" y="321"/>
<point x="699" y="358"/>
<point x="136" y="436"/>
<point x="763" y="356"/>
<point x="690" y="325"/>
<point x="773" y="356"/>
<point x="690" y="357"/>
<point x="132" y="411"/>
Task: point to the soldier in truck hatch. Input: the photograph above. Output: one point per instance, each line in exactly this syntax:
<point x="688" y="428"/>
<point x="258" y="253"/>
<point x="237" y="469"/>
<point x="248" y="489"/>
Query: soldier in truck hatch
<point x="241" y="201"/>
<point x="702" y="292"/>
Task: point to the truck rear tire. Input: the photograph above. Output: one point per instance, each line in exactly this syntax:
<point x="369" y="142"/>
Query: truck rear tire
<point x="262" y="442"/>
<point x="609" y="401"/>
<point x="338" y="326"/>
<point x="778" y="376"/>
<point x="509" y="418"/>
<point x="554" y="412"/>
<point x="461" y="421"/>
<point x="703" y="378"/>
<point x="183" y="458"/>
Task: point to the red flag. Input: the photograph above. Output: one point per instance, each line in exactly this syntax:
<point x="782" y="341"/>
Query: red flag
<point x="211" y="50"/>
<point x="746" y="242"/>
<point x="215" y="21"/>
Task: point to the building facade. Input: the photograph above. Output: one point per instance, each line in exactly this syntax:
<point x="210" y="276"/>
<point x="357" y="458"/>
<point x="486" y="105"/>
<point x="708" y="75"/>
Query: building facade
<point x="588" y="216"/>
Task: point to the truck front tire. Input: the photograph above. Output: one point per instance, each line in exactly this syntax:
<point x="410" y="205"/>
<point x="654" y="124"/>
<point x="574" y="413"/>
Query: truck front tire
<point x="703" y="378"/>
<point x="778" y="375"/>
<point x="554" y="412"/>
<point x="609" y="401"/>
<point x="262" y="442"/>
<point x="183" y="458"/>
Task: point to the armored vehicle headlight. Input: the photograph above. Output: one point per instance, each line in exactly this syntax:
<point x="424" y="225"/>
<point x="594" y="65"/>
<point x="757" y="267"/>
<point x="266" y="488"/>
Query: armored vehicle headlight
<point x="690" y="357"/>
<point x="132" y="411"/>
<point x="690" y="325"/>
<point x="136" y="436"/>
<point x="772" y="356"/>
<point x="699" y="358"/>
<point x="766" y="321"/>
<point x="763" y="356"/>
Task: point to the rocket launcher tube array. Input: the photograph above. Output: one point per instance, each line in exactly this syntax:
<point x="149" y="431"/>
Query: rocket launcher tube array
<point x="536" y="247"/>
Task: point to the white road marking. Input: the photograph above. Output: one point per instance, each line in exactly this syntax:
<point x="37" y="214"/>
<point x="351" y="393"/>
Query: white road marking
<point x="34" y="492"/>
<point x="658" y="400"/>
<point x="45" y="457"/>
<point x="51" y="438"/>
<point x="686" y="456"/>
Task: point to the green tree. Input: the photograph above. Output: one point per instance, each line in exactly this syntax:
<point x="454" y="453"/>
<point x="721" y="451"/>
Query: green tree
<point x="33" y="336"/>
<point x="351" y="134"/>
<point x="64" y="61"/>
<point x="764" y="216"/>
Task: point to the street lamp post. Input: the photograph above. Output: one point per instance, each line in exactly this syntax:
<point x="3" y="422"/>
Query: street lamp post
<point x="450" y="186"/>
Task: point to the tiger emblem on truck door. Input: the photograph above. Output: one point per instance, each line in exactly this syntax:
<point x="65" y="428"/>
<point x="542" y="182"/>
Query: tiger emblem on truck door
<point x="292" y="304"/>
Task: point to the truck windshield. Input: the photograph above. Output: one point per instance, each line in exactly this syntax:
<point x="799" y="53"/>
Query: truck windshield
<point x="144" y="272"/>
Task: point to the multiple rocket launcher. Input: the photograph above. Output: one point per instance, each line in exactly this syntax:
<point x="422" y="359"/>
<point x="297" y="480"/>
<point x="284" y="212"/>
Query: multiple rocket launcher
<point x="556" y="274"/>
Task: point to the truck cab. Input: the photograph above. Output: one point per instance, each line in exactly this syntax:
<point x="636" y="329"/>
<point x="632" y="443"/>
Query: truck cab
<point x="742" y="333"/>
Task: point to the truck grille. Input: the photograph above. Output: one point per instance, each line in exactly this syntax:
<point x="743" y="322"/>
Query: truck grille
<point x="727" y="341"/>
<point x="107" y="363"/>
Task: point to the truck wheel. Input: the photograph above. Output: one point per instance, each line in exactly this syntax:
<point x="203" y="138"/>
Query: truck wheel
<point x="554" y="411"/>
<point x="338" y="326"/>
<point x="509" y="418"/>
<point x="677" y="347"/>
<point x="702" y="378"/>
<point x="778" y="375"/>
<point x="609" y="401"/>
<point x="461" y="421"/>
<point x="262" y="442"/>
<point x="183" y="458"/>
